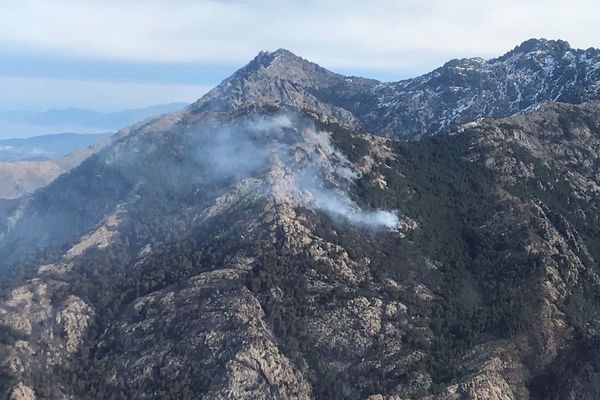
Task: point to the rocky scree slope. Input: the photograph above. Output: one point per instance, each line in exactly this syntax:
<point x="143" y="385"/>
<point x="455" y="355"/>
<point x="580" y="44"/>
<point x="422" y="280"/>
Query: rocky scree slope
<point x="206" y="257"/>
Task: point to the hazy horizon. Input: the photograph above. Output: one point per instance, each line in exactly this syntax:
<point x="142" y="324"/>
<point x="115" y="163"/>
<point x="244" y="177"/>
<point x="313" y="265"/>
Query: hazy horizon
<point x="31" y="123"/>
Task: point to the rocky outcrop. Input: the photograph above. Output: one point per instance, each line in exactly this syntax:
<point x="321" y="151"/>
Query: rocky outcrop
<point x="22" y="392"/>
<point x="233" y="350"/>
<point x="44" y="333"/>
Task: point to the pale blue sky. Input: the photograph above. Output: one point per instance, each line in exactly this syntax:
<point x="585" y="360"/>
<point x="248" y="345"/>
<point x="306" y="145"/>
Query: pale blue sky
<point x="115" y="54"/>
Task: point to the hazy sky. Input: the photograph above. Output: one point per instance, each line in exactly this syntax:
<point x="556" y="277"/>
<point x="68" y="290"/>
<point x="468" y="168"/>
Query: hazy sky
<point x="113" y="54"/>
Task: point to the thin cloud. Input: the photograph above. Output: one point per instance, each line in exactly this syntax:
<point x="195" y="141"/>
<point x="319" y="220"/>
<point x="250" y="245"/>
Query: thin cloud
<point x="53" y="49"/>
<point x="380" y="34"/>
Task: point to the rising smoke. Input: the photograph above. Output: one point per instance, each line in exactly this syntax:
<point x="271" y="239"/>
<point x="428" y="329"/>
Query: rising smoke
<point x="324" y="173"/>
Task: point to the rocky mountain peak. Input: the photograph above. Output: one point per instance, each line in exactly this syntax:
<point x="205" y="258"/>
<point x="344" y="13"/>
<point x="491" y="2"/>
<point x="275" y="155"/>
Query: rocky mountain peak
<point x="474" y="62"/>
<point x="265" y="59"/>
<point x="279" y="54"/>
<point x="539" y="48"/>
<point x="278" y="78"/>
<point x="281" y="64"/>
<point x="542" y="45"/>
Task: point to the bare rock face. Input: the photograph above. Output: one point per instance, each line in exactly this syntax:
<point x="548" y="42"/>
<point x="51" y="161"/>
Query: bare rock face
<point x="352" y="327"/>
<point x="487" y="383"/>
<point x="73" y="321"/>
<point x="22" y="392"/>
<point x="48" y="332"/>
<point x="234" y="349"/>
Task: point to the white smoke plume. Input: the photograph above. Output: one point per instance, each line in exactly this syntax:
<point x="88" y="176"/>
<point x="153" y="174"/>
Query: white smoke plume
<point x="338" y="205"/>
<point x="325" y="174"/>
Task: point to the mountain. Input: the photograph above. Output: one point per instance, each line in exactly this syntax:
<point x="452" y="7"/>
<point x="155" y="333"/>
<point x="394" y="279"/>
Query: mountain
<point x="245" y="248"/>
<point x="29" y="123"/>
<point x="272" y="254"/>
<point x="46" y="147"/>
<point x="458" y="92"/>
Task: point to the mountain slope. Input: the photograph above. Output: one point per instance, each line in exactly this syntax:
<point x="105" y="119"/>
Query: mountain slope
<point x="460" y="91"/>
<point x="272" y="253"/>
<point x="22" y="177"/>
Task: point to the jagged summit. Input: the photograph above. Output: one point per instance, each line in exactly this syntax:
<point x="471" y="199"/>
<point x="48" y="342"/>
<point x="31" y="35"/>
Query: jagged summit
<point x="264" y="59"/>
<point x="542" y="44"/>
<point x="279" y="63"/>
<point x="539" y="48"/>
<point x="530" y="47"/>
<point x="278" y="54"/>
<point x="279" y="78"/>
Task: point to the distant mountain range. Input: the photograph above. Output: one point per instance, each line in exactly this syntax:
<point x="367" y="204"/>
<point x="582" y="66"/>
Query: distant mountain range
<point x="46" y="147"/>
<point x="16" y="123"/>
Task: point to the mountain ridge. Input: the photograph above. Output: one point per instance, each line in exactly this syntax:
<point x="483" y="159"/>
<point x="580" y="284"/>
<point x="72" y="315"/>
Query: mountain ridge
<point x="458" y="92"/>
